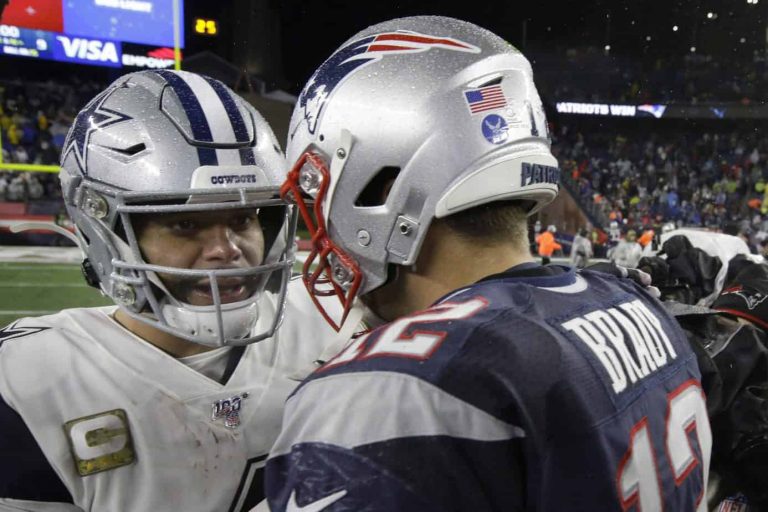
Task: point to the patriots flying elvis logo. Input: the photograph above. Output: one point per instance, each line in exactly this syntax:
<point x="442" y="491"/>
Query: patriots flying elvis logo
<point x="93" y="117"/>
<point x="753" y="298"/>
<point x="358" y="54"/>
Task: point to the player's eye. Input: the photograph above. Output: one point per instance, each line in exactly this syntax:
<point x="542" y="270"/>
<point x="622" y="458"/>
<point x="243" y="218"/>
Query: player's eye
<point x="184" y="225"/>
<point x="243" y="220"/>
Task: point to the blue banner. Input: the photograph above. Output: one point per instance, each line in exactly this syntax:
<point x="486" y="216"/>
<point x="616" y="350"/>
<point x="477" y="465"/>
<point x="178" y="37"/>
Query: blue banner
<point x="148" y="22"/>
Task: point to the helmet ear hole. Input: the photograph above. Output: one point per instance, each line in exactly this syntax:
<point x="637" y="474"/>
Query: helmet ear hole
<point x="90" y="274"/>
<point x="271" y="220"/>
<point x="376" y="190"/>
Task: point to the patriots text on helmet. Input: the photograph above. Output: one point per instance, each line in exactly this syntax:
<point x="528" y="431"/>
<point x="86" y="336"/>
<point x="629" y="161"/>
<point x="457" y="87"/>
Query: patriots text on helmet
<point x="531" y="174"/>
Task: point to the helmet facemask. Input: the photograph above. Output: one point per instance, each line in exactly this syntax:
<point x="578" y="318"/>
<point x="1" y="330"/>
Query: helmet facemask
<point x="335" y="273"/>
<point x="209" y="306"/>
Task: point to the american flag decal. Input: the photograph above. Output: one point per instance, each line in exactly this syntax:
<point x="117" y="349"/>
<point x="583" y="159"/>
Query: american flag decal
<point x="486" y="98"/>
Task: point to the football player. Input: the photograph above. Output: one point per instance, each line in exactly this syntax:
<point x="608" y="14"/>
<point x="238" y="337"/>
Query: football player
<point x="171" y="399"/>
<point x="419" y="148"/>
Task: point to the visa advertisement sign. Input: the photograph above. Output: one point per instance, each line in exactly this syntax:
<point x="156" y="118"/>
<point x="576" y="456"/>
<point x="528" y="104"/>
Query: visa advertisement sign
<point x="83" y="50"/>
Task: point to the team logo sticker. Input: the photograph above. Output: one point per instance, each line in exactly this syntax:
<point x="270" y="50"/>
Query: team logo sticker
<point x="359" y="54"/>
<point x="753" y="298"/>
<point x="93" y="118"/>
<point x="100" y="442"/>
<point x="495" y="129"/>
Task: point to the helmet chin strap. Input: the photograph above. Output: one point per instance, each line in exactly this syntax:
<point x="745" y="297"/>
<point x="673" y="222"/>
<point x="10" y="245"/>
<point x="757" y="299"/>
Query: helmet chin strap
<point x="237" y="320"/>
<point x="18" y="227"/>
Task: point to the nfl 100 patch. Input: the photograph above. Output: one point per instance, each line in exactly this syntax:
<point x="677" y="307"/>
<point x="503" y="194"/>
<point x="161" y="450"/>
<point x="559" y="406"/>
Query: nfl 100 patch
<point x="228" y="409"/>
<point x="100" y="442"/>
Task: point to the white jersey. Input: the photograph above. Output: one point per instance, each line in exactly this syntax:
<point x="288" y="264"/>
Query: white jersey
<point x="98" y="418"/>
<point x="626" y="254"/>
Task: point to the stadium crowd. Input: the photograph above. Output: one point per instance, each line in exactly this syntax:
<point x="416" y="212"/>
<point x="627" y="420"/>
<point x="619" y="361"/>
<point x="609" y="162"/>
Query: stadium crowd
<point x="34" y="119"/>
<point x="641" y="179"/>
<point x="695" y="178"/>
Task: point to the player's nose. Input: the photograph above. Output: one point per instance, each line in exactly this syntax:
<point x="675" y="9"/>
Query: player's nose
<point x="220" y="243"/>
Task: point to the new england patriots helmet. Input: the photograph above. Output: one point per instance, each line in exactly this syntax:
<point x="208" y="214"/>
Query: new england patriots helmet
<point x="160" y="142"/>
<point x="446" y="109"/>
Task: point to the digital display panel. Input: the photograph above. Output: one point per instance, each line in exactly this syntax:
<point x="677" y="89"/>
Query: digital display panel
<point x="92" y="32"/>
<point x="35" y="14"/>
<point x="25" y="42"/>
<point x="146" y="22"/>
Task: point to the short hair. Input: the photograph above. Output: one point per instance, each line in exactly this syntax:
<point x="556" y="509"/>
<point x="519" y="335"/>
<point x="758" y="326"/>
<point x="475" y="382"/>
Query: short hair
<point x="493" y="223"/>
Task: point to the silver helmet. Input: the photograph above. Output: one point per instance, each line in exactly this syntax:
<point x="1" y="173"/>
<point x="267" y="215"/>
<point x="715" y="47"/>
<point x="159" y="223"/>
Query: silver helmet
<point x="165" y="142"/>
<point x="447" y="109"/>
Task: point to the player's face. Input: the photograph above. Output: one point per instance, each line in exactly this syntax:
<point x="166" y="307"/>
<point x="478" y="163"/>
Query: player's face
<point x="224" y="239"/>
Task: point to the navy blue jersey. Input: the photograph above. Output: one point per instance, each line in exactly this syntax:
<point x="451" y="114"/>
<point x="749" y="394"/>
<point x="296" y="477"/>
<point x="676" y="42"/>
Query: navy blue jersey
<point x="535" y="390"/>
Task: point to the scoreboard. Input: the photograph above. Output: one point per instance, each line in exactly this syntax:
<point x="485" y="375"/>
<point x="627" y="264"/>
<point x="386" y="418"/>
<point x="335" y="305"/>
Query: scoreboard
<point x="99" y="32"/>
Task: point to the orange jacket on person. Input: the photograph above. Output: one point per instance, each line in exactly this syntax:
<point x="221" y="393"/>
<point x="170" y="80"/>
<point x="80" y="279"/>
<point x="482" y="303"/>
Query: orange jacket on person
<point x="547" y="244"/>
<point x="646" y="237"/>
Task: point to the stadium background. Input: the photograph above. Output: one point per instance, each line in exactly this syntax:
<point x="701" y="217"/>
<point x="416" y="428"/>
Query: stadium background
<point x="657" y="109"/>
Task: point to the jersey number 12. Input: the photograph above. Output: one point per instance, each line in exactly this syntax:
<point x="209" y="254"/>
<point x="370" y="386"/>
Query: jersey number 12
<point x="638" y="476"/>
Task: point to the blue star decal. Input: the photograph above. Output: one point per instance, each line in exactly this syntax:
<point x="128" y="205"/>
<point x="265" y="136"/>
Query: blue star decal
<point x="11" y="331"/>
<point x="93" y="117"/>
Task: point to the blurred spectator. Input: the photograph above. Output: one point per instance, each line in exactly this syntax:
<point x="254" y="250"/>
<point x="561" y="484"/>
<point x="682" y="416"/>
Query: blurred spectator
<point x="581" y="250"/>
<point x="17" y="190"/>
<point x="34" y="187"/>
<point x="3" y="186"/>
<point x="547" y="244"/>
<point x="646" y="238"/>
<point x="628" y="252"/>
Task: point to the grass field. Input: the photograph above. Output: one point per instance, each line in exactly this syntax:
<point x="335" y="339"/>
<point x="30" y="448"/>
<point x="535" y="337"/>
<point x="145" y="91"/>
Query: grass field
<point x="34" y="289"/>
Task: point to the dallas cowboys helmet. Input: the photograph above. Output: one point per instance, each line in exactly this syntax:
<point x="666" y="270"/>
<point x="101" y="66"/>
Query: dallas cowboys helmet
<point x="158" y="142"/>
<point x="447" y="109"/>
